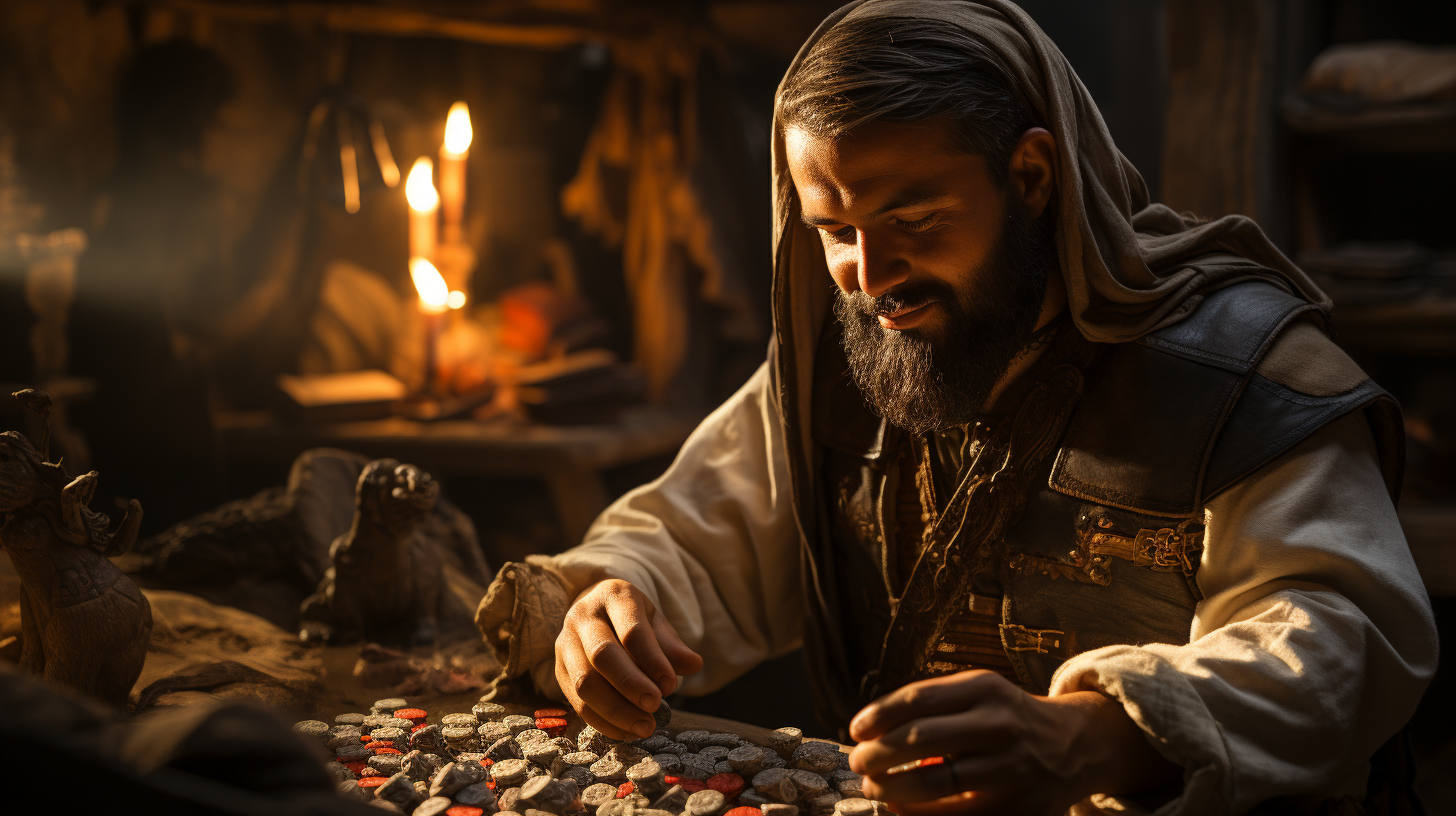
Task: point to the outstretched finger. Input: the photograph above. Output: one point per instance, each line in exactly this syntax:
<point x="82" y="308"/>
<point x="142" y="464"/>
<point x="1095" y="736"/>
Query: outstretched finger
<point x="613" y="664"/>
<point x="639" y="637"/>
<point x="927" y="698"/>
<point x="586" y="688"/>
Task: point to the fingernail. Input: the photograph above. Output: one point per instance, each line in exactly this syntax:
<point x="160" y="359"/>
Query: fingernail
<point x="647" y="702"/>
<point x="642" y="728"/>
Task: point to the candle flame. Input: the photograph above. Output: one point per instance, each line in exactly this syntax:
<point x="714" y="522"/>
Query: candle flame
<point x="434" y="292"/>
<point x="419" y="188"/>
<point x="456" y="300"/>
<point x="457" y="129"/>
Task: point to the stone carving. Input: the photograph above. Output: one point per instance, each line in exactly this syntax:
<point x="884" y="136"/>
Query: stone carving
<point x="268" y="553"/>
<point x="383" y="583"/>
<point x="84" y="625"/>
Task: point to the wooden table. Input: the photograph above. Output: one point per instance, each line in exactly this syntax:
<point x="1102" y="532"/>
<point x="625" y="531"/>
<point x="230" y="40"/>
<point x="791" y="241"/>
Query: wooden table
<point x="570" y="459"/>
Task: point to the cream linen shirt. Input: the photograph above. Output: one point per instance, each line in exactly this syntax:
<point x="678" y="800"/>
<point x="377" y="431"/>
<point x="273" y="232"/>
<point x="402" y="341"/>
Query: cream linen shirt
<point x="1312" y="645"/>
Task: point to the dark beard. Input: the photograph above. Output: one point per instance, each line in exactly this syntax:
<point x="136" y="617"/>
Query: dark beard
<point x="922" y="382"/>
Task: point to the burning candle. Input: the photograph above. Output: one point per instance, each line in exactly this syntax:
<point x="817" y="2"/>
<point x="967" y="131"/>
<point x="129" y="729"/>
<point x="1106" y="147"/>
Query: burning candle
<point x="453" y="154"/>
<point x="424" y="203"/>
<point x="434" y="301"/>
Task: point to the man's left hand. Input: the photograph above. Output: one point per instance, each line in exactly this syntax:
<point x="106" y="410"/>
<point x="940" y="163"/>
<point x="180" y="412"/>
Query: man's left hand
<point x="1005" y="751"/>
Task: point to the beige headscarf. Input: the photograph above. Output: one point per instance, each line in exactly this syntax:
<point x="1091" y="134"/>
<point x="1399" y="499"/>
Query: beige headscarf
<point x="1126" y="262"/>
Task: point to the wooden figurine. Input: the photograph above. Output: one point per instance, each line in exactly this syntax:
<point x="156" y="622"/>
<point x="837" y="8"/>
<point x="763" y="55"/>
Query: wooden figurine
<point x="384" y="583"/>
<point x="84" y="625"/>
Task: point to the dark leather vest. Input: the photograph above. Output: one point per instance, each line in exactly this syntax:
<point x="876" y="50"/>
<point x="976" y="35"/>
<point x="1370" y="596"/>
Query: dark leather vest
<point x="1107" y="547"/>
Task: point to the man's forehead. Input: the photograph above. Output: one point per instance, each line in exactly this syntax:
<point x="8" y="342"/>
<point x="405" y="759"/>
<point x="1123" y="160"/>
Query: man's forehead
<point x="875" y="163"/>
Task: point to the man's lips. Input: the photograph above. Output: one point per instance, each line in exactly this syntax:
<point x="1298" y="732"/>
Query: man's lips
<point x="906" y="318"/>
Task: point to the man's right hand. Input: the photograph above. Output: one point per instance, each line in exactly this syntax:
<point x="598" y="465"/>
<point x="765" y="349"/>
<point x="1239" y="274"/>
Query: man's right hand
<point x="617" y="657"/>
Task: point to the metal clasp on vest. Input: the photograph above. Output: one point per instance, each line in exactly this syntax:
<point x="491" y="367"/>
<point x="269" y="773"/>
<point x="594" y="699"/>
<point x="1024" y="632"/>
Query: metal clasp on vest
<point x="1018" y="638"/>
<point x="1167" y="549"/>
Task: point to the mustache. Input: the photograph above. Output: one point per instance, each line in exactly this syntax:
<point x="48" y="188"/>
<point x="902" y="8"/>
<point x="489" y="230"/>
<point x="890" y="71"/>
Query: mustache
<point x="905" y="296"/>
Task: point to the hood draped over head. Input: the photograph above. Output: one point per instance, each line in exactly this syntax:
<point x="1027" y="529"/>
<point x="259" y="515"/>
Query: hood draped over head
<point x="1130" y="267"/>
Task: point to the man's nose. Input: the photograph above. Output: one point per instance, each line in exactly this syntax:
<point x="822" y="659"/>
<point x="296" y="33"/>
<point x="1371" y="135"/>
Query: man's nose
<point x="880" y="267"/>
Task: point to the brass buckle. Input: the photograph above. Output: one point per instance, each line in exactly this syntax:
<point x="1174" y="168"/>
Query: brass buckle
<point x="1018" y="638"/>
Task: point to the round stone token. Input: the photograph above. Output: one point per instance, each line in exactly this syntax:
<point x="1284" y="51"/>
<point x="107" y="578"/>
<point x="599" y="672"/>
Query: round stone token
<point x="824" y="803"/>
<point x="349" y="719"/>
<point x="531" y="735"/>
<point x="509" y="772"/>
<point x="706" y="803"/>
<point x="608" y="770"/>
<point x="459" y="719"/>
<point x="582" y="758"/>
<point x="775" y="784"/>
<point x="478" y="794"/>
<point x="485" y="712"/>
<point x="809" y="784"/>
<point x="555" y="726"/>
<point x="387" y="764"/>
<point x="855" y="807"/>
<point x="353" y="753"/>
<point x="746" y="759"/>
<point x="663" y="715"/>
<point x="455" y="733"/>
<point x="597" y="795"/>
<point x="728" y="784"/>
<point x="434" y="806"/>
<point x="818" y="757"/>
<point x="777" y="809"/>
<point x="491" y="731"/>
<point x="388" y="705"/>
<point x="694" y="740"/>
<point x="540" y="752"/>
<point x="312" y="728"/>
<point x="518" y="722"/>
<point x="785" y="740"/>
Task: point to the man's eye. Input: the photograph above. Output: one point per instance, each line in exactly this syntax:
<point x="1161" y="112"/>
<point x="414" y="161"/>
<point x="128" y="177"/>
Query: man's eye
<point x="843" y="235"/>
<point x="920" y="224"/>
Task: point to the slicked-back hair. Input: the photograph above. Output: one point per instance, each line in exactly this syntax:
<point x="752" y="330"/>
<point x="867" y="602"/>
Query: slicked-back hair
<point x="902" y="69"/>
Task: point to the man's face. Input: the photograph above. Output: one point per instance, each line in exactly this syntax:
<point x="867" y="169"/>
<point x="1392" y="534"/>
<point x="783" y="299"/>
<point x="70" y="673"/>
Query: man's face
<point x="941" y="271"/>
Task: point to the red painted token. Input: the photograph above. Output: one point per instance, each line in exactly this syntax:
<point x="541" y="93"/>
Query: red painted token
<point x="692" y="785"/>
<point x="486" y="762"/>
<point x="365" y="737"/>
<point x="555" y="726"/>
<point x="373" y="781"/>
<point x="464" y="810"/>
<point x="418" y="727"/>
<point x="744" y="811"/>
<point x="490" y="783"/>
<point x="624" y="790"/>
<point x="415" y="714"/>
<point x="549" y="712"/>
<point x="379" y="745"/>
<point x="370" y="771"/>
<point x="921" y="763"/>
<point x="355" y="768"/>
<point x="388" y="751"/>
<point x="728" y="784"/>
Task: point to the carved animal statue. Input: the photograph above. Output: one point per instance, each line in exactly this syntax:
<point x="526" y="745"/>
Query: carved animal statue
<point x="383" y="583"/>
<point x="84" y="625"/>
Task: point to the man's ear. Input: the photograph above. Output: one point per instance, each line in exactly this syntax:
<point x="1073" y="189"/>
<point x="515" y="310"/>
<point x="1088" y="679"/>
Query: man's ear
<point x="1033" y="169"/>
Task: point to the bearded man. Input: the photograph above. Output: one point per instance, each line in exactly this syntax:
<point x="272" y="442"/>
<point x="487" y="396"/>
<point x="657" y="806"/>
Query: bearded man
<point x="1052" y="482"/>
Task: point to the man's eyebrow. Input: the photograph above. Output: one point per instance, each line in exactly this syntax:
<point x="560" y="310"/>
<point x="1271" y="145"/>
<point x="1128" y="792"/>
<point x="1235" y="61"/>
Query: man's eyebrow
<point x="910" y="198"/>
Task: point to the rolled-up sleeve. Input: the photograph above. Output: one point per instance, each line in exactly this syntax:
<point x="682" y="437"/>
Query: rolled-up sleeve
<point x="1311" y="647"/>
<point x="713" y="542"/>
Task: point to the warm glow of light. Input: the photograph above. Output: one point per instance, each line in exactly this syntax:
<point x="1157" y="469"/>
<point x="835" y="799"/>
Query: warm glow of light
<point x="419" y="188"/>
<point x="434" y="293"/>
<point x="456" y="300"/>
<point x="457" y="129"/>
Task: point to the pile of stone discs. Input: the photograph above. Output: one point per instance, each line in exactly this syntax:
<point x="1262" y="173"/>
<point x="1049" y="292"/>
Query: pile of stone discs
<point x="487" y="761"/>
